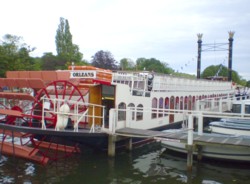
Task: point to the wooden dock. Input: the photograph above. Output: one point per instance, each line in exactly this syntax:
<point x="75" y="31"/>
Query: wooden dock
<point x="182" y="136"/>
<point x="192" y="140"/>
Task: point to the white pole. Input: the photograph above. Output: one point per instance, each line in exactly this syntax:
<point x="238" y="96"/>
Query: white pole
<point x="190" y="130"/>
<point x="200" y="124"/>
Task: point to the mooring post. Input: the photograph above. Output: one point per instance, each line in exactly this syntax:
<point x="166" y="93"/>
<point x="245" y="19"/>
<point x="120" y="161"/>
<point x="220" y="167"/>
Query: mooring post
<point x="129" y="144"/>
<point x="200" y="124"/>
<point x="199" y="152"/>
<point x="111" y="145"/>
<point x="190" y="143"/>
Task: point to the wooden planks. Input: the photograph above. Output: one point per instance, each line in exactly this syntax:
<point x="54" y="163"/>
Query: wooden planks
<point x="205" y="139"/>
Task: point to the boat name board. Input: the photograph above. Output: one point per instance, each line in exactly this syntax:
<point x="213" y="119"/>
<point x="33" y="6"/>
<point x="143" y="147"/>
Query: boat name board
<point x="83" y="74"/>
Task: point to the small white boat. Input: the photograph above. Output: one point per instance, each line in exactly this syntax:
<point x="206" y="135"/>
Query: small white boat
<point x="236" y="121"/>
<point x="230" y="127"/>
<point x="209" y="151"/>
<point x="233" y="126"/>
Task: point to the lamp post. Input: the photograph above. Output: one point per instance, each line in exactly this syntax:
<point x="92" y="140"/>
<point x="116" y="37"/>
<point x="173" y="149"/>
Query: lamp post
<point x="199" y="35"/>
<point x="230" y="54"/>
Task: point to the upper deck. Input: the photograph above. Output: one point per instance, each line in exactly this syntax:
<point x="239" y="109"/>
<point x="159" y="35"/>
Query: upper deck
<point x="143" y="81"/>
<point x="149" y="81"/>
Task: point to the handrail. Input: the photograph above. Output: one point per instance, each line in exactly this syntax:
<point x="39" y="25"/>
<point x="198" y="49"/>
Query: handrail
<point x="114" y="119"/>
<point x="75" y="114"/>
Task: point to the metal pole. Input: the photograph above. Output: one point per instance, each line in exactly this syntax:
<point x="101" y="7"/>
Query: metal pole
<point x="190" y="143"/>
<point x="199" y="55"/>
<point x="230" y="54"/>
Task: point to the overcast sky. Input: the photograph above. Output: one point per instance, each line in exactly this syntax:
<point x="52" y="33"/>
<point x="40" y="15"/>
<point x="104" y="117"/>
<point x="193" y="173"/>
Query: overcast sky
<point x="162" y="29"/>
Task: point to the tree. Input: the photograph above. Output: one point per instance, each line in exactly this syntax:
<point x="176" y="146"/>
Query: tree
<point x="153" y="65"/>
<point x="49" y="61"/>
<point x="248" y="84"/>
<point x="14" y="55"/>
<point x="104" y="59"/>
<point x="220" y="70"/>
<point x="66" y="50"/>
<point x="127" y="64"/>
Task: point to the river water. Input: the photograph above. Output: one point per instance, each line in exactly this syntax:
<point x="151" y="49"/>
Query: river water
<point x="148" y="164"/>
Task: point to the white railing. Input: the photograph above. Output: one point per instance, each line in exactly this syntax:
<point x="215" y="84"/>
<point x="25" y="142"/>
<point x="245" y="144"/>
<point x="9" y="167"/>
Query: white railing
<point x="214" y="111"/>
<point x="76" y="115"/>
<point x="169" y="83"/>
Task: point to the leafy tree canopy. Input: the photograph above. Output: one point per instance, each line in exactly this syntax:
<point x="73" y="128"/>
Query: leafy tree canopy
<point x="14" y="55"/>
<point x="66" y="50"/>
<point x="153" y="65"/>
<point x="220" y="70"/>
<point x="104" y="59"/>
<point x="127" y="64"/>
<point x="184" y="75"/>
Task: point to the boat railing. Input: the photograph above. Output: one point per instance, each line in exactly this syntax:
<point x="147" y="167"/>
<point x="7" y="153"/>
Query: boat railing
<point x="221" y="104"/>
<point x="92" y="113"/>
<point x="116" y="122"/>
<point x="138" y="81"/>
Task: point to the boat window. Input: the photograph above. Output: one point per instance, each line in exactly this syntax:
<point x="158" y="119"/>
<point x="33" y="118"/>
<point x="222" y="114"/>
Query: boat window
<point x="166" y="105"/>
<point x="154" y="108"/>
<point x="236" y="108"/>
<point x="160" y="107"/>
<point x="121" y="111"/>
<point x="177" y="104"/>
<point x="193" y="103"/>
<point x="186" y="103"/>
<point x="139" y="112"/>
<point x="247" y="109"/>
<point x="132" y="108"/>
<point x="181" y="103"/>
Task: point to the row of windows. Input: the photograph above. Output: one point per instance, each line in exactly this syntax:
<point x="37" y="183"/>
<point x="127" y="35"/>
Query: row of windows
<point x="159" y="106"/>
<point x="122" y="111"/>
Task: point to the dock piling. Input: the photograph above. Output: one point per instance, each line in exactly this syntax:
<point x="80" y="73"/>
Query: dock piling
<point x="190" y="143"/>
<point x="200" y="124"/>
<point x="111" y="145"/>
<point x="199" y="152"/>
<point x="129" y="144"/>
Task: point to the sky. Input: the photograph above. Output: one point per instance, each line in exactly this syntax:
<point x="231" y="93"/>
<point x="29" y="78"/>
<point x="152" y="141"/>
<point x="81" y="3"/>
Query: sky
<point x="162" y="29"/>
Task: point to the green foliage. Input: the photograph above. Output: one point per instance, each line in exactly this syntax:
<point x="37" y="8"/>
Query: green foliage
<point x="153" y="65"/>
<point x="184" y="75"/>
<point x="104" y="59"/>
<point x="14" y="55"/>
<point x="220" y="70"/>
<point x="247" y="83"/>
<point x="49" y="61"/>
<point x="127" y="64"/>
<point x="66" y="50"/>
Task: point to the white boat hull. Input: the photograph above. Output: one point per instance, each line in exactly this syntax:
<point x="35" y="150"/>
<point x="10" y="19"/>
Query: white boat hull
<point x="229" y="128"/>
<point x="215" y="152"/>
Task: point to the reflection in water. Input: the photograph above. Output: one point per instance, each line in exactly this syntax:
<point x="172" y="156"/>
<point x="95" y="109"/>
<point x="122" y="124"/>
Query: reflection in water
<point x="148" y="164"/>
<point x="172" y="165"/>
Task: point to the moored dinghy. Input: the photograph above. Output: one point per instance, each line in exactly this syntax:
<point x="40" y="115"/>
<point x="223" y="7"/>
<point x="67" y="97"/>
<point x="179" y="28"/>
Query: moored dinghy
<point x="211" y="151"/>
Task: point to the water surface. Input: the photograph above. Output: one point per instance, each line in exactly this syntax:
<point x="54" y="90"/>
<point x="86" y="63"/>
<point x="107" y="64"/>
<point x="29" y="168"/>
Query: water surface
<point x="148" y="164"/>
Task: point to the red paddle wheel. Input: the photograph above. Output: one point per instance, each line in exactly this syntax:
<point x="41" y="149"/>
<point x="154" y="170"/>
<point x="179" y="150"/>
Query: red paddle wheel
<point x="53" y="96"/>
<point x="15" y="104"/>
<point x="20" y="109"/>
<point x="63" y="91"/>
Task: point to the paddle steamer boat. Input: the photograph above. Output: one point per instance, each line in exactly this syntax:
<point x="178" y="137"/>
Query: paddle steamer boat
<point x="81" y="104"/>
